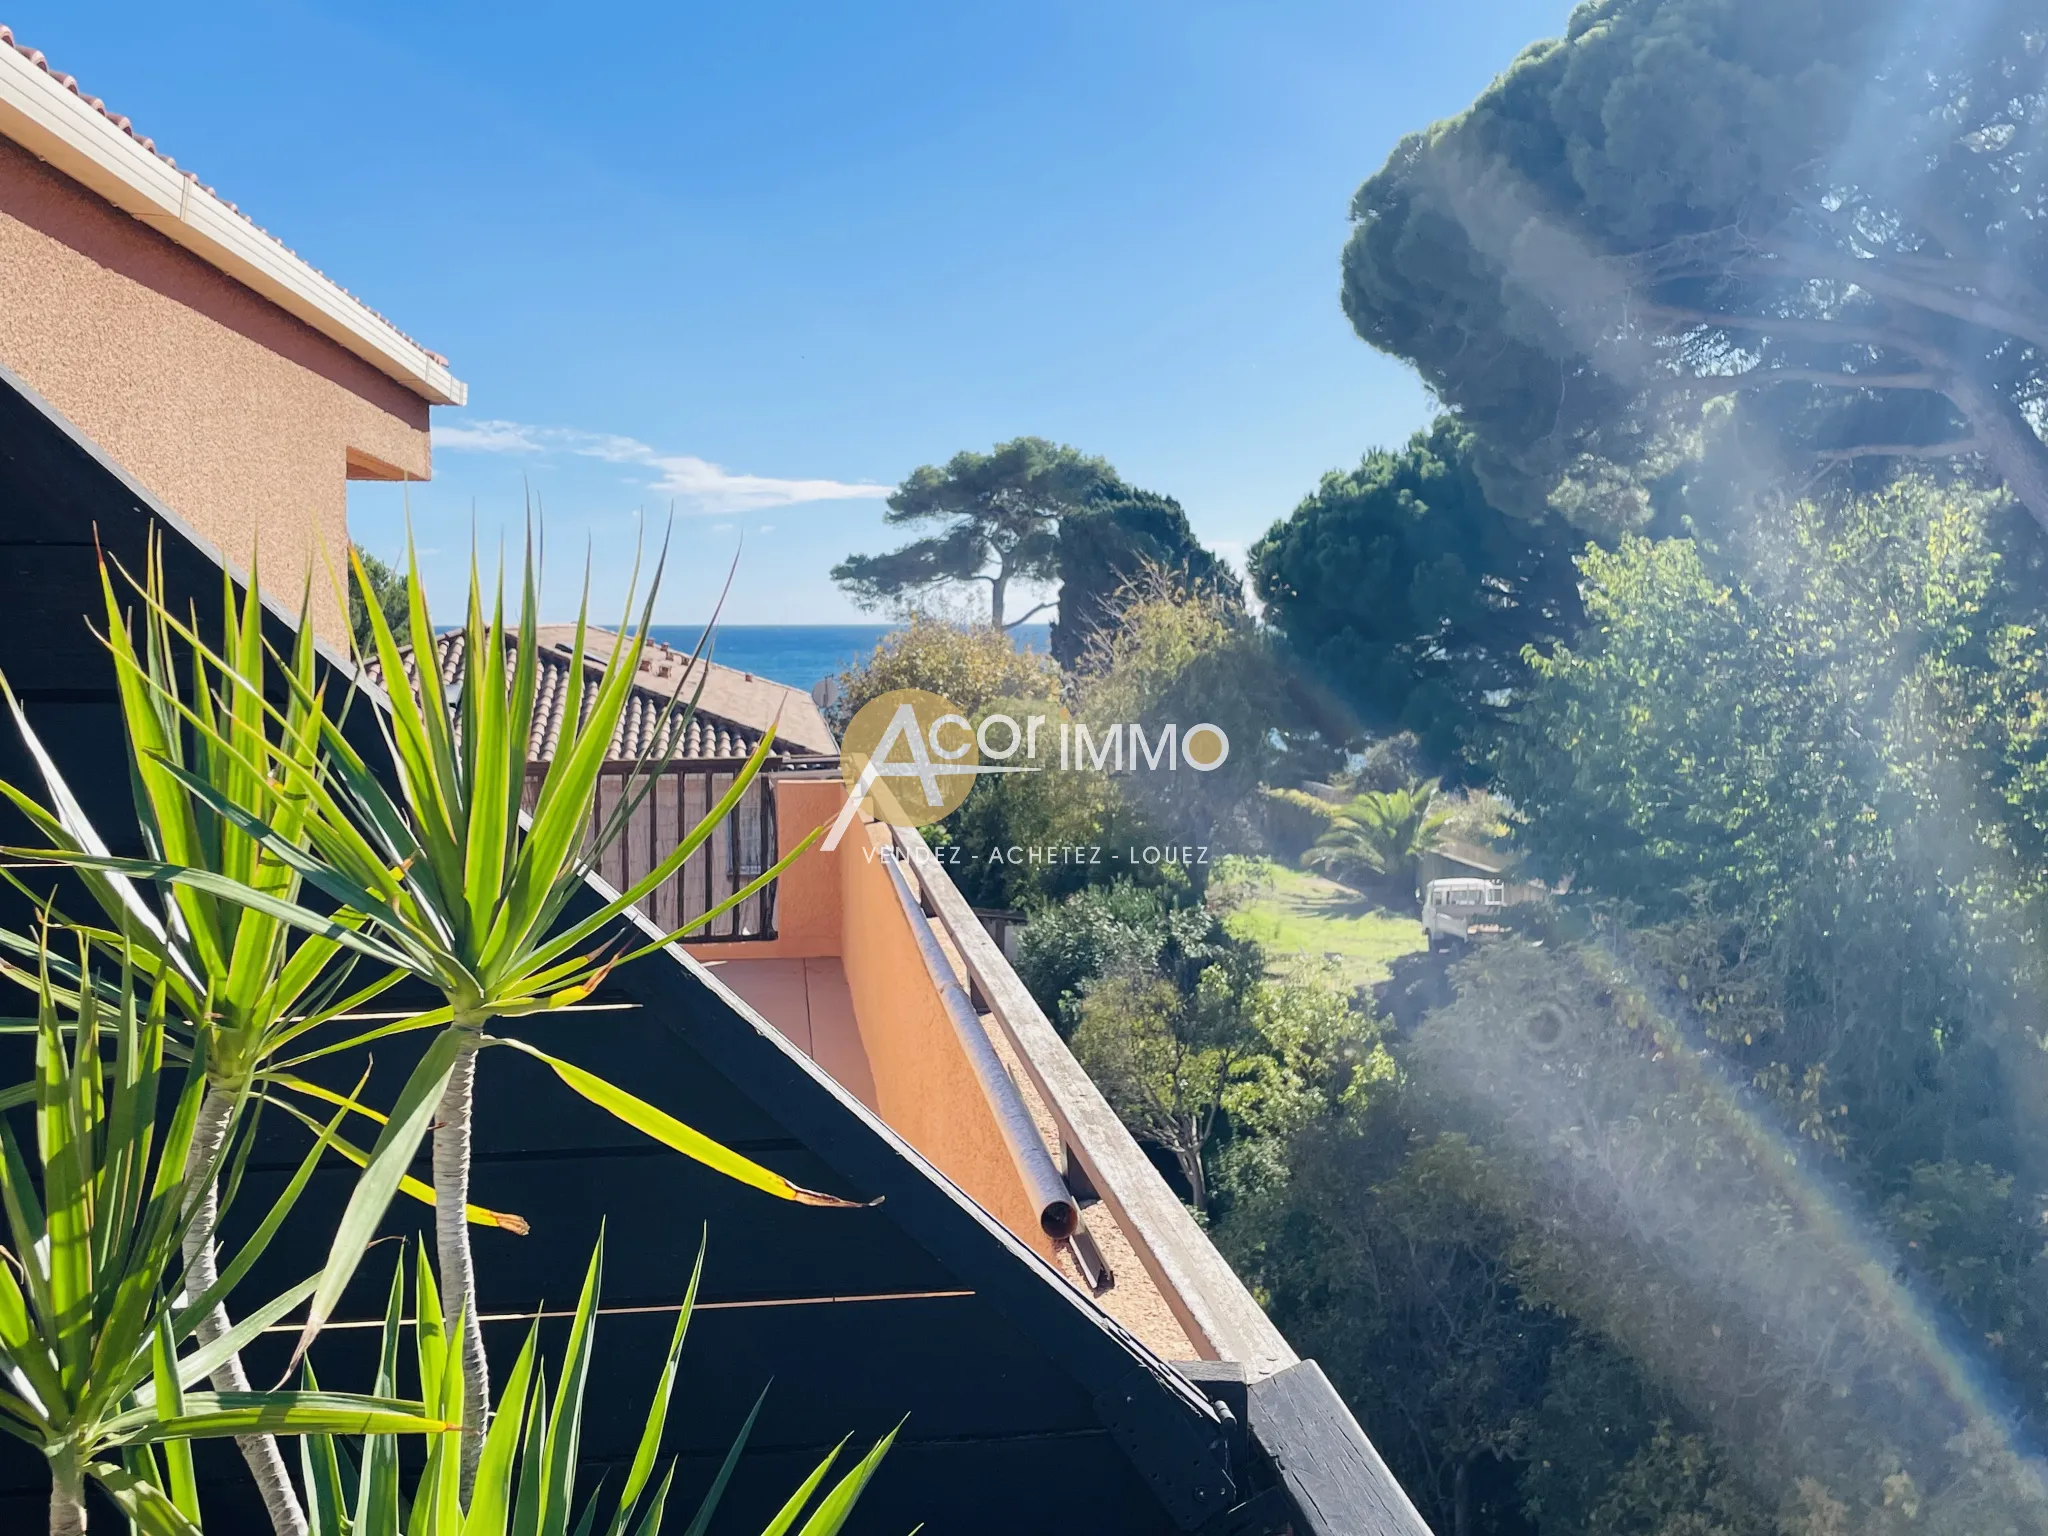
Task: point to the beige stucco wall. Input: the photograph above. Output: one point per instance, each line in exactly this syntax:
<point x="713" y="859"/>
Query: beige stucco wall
<point x="243" y="420"/>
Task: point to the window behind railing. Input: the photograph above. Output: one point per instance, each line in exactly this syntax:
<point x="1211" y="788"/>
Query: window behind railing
<point x="668" y="808"/>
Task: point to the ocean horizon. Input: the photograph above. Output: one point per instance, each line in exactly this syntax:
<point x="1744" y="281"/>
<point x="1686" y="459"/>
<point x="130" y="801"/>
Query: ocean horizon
<point x="801" y="654"/>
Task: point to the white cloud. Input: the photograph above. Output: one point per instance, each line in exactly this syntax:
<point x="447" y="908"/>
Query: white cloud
<point x="486" y="437"/>
<point x="698" y="484"/>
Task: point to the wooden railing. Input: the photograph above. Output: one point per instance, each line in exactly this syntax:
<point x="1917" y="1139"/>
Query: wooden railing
<point x="668" y="806"/>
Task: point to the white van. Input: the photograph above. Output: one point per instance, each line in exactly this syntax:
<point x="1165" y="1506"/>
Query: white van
<point x="1462" y="910"/>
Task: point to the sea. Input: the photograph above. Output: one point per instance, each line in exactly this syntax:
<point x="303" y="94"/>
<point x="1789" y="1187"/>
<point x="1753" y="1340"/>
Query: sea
<point x="801" y="654"/>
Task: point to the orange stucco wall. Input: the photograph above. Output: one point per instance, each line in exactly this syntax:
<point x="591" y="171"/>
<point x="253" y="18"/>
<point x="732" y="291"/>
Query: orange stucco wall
<point x="924" y="1087"/>
<point x="243" y="420"/>
<point x="844" y="904"/>
<point x="808" y="893"/>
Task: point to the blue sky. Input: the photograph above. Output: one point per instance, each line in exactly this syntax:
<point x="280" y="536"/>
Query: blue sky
<point x="756" y="262"/>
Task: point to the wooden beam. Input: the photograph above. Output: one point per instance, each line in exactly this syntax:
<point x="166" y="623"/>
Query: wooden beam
<point x="1336" y="1480"/>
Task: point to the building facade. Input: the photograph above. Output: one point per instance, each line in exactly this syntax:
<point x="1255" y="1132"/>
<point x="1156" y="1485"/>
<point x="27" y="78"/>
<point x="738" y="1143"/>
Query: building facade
<point x="217" y="368"/>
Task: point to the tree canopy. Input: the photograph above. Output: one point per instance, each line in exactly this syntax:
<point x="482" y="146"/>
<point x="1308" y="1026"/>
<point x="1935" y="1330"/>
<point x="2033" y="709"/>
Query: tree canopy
<point x="1121" y="534"/>
<point x="387" y="591"/>
<point x="1601" y="1259"/>
<point x="1713" y="737"/>
<point x="1181" y="658"/>
<point x="1823" y="782"/>
<point x="1413" y="597"/>
<point x="1832" y="211"/>
<point x="996" y="518"/>
<point x="1032" y="511"/>
<point x="972" y="665"/>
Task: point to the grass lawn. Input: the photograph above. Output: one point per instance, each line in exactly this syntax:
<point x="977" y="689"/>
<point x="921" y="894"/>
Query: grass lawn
<point x="1292" y="912"/>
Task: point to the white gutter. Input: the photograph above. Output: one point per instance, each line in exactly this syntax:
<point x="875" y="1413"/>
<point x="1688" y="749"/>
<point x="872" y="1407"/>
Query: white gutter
<point x="1059" y="1214"/>
<point x="53" y="122"/>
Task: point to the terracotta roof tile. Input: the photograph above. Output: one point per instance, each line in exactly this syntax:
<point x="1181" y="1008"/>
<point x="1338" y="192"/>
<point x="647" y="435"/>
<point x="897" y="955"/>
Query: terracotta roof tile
<point x="755" y="704"/>
<point x="70" y="83"/>
<point x="709" y="736"/>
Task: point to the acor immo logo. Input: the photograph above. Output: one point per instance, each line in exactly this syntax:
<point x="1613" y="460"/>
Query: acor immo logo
<point x="910" y="757"/>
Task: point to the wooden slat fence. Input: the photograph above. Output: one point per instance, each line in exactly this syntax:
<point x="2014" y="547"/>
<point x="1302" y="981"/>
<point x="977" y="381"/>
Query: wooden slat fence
<point x="735" y="853"/>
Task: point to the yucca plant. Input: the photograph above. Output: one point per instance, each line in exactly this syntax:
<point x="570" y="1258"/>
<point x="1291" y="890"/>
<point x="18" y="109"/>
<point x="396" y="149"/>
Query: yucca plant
<point x="526" y="1478"/>
<point x="91" y="1332"/>
<point x="447" y="881"/>
<point x="227" y="969"/>
<point x="251" y="981"/>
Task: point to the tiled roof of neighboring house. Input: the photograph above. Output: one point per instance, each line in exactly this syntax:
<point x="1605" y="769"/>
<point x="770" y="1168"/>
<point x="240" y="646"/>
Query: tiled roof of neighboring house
<point x="180" y="225"/>
<point x="709" y="735"/>
<point x="1474" y="854"/>
<point x="757" y="703"/>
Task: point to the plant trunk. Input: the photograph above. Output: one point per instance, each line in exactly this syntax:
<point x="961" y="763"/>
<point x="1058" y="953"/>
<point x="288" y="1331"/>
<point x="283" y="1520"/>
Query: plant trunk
<point x="458" y="1269"/>
<point x="1461" y="1499"/>
<point x="67" y="1497"/>
<point x="1190" y="1156"/>
<point x="202" y="1203"/>
<point x="2009" y="441"/>
<point x="997" y="586"/>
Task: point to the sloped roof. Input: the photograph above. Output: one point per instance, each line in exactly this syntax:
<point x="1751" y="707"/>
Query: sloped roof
<point x="50" y="115"/>
<point x="709" y="734"/>
<point x="756" y="703"/>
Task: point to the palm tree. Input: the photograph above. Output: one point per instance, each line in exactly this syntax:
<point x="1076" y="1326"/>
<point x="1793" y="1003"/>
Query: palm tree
<point x="1376" y="836"/>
